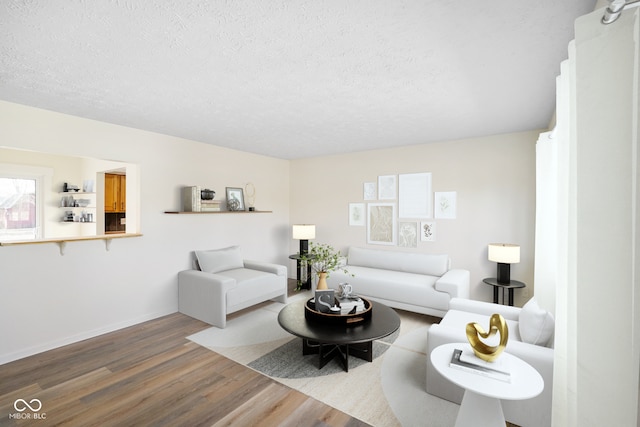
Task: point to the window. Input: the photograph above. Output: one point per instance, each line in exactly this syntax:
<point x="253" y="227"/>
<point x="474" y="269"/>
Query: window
<point x="20" y="204"/>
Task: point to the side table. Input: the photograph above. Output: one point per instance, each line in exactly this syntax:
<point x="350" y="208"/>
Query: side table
<point x="513" y="284"/>
<point x="299" y="269"/>
<point x="481" y="402"/>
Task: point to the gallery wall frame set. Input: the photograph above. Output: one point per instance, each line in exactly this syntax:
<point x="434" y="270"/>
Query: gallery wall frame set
<point x="384" y="218"/>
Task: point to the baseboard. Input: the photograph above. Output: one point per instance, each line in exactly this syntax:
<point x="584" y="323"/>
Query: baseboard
<point x="30" y="351"/>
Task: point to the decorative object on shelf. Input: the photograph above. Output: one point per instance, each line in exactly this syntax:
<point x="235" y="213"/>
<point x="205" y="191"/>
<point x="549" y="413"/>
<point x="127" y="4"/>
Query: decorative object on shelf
<point x="345" y="290"/>
<point x="88" y="185"/>
<point x="207" y="194"/>
<point x="191" y="198"/>
<point x="323" y="259"/>
<point x="304" y="233"/>
<point x="207" y="204"/>
<point x="250" y="191"/>
<point x="67" y="202"/>
<point x="67" y="188"/>
<point x="325" y="299"/>
<point x="474" y="331"/>
<point x="504" y="254"/>
<point x="235" y="199"/>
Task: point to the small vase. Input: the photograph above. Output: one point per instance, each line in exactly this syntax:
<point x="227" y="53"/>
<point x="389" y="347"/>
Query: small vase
<point x="322" y="281"/>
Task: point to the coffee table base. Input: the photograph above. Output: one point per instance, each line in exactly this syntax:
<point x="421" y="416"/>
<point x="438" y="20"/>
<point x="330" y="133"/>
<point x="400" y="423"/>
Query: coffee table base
<point x="327" y="352"/>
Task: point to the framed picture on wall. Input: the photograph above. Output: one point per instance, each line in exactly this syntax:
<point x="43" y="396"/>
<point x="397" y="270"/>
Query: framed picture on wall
<point x="387" y="187"/>
<point x="414" y="195"/>
<point x="381" y="220"/>
<point x="428" y="231"/>
<point x="445" y="204"/>
<point x="235" y="199"/>
<point x="357" y="215"/>
<point x="369" y="191"/>
<point x="408" y="234"/>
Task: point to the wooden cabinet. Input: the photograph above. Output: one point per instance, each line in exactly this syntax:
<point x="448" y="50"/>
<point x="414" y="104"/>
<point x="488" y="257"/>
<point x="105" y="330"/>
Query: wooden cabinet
<point x="115" y="193"/>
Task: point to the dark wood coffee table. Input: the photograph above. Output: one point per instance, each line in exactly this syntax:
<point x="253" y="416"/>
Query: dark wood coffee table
<point x="331" y="341"/>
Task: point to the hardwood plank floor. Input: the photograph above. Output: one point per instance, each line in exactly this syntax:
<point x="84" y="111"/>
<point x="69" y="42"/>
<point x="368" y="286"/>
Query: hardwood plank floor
<point x="151" y="375"/>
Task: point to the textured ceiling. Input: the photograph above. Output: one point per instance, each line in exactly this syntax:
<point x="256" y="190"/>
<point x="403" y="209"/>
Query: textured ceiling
<point x="291" y="79"/>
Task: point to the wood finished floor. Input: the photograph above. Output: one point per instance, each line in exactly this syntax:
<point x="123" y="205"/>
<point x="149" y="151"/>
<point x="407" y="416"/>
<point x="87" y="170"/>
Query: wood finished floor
<point x="151" y="375"/>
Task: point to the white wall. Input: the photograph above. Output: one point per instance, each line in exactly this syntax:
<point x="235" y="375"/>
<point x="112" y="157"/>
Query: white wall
<point x="56" y="299"/>
<point x="495" y="182"/>
<point x="50" y="299"/>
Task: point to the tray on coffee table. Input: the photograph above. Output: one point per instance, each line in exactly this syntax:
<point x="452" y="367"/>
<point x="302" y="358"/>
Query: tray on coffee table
<point x="310" y="313"/>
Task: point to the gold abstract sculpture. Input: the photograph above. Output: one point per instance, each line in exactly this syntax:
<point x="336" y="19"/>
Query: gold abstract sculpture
<point x="497" y="324"/>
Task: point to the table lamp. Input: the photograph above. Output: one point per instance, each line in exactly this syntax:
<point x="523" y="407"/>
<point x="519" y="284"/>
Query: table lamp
<point x="504" y="254"/>
<point x="304" y="232"/>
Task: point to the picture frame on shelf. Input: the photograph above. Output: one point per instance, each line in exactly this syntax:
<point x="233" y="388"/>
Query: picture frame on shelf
<point x="235" y="198"/>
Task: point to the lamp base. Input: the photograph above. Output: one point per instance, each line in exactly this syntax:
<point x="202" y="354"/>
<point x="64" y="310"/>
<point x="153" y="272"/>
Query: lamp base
<point x="304" y="247"/>
<point x="504" y="273"/>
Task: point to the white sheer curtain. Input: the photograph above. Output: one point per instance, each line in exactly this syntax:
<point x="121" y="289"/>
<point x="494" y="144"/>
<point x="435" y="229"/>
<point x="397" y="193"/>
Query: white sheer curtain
<point x="596" y="271"/>
<point x="553" y="234"/>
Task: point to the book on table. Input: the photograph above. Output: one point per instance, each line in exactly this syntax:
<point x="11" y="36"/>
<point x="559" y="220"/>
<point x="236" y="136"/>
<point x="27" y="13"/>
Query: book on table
<point x="347" y="305"/>
<point x="469" y="362"/>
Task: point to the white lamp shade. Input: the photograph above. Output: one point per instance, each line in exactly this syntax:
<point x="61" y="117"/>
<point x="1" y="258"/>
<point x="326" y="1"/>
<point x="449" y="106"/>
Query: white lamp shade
<point x="304" y="231"/>
<point x="505" y="253"/>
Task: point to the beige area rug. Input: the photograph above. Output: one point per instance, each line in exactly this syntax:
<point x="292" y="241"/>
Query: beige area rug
<point x="390" y="391"/>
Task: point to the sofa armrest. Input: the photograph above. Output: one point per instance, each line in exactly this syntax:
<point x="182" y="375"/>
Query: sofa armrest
<point x="278" y="270"/>
<point x="485" y="308"/>
<point x="455" y="283"/>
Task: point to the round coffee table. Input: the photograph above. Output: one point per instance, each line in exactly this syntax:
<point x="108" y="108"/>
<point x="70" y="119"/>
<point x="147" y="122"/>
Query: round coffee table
<point x="331" y="341"/>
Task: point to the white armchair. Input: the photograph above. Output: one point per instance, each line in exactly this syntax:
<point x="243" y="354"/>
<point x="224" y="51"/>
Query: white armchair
<point x="535" y="324"/>
<point x="226" y="283"/>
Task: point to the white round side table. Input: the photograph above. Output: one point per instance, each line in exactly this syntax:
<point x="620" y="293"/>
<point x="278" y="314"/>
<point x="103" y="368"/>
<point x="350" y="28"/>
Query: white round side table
<point x="481" y="402"/>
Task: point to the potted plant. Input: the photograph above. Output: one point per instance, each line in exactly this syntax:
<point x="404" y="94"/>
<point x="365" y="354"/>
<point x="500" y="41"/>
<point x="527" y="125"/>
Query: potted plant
<point x="323" y="259"/>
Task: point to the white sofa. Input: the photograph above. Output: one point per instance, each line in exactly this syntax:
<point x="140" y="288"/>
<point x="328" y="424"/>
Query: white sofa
<point x="530" y="333"/>
<point x="224" y="283"/>
<point x="413" y="281"/>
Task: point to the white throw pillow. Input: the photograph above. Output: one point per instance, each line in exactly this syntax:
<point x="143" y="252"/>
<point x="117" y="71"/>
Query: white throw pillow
<point x="536" y="325"/>
<point x="217" y="260"/>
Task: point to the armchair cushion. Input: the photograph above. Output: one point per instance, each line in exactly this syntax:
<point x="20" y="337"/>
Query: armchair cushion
<point x="217" y="260"/>
<point x="536" y="324"/>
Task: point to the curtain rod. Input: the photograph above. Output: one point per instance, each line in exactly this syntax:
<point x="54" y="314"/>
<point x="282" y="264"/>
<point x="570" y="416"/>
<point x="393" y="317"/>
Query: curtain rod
<point x="615" y="8"/>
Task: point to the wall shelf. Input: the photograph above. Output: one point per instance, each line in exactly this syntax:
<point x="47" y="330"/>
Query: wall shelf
<point x="62" y="241"/>
<point x="220" y="212"/>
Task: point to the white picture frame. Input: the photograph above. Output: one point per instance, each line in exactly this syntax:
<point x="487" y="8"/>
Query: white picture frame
<point x="445" y="204"/>
<point x="407" y="234"/>
<point x="387" y="187"/>
<point x="357" y="214"/>
<point x="369" y="191"/>
<point x="428" y="231"/>
<point x="414" y="195"/>
<point x="381" y="223"/>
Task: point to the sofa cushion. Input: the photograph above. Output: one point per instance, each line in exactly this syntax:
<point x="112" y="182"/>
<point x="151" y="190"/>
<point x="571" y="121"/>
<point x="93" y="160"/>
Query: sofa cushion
<point x="536" y="324"/>
<point x="249" y="284"/>
<point x="217" y="260"/>
<point x="409" y="262"/>
<point x="409" y="288"/>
